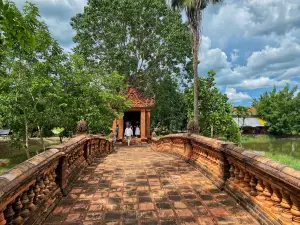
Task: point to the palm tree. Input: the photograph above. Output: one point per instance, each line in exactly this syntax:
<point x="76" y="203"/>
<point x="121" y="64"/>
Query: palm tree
<point x="193" y="10"/>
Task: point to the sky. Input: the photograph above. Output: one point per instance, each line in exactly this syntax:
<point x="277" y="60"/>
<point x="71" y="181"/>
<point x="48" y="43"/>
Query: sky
<point x="251" y="44"/>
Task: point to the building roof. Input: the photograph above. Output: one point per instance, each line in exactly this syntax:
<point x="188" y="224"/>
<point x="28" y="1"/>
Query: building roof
<point x="4" y="131"/>
<point x="138" y="101"/>
<point x="250" y="121"/>
<point x="251" y="110"/>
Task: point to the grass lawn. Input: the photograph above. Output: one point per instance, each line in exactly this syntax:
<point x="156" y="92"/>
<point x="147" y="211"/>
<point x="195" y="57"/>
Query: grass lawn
<point x="16" y="156"/>
<point x="284" y="159"/>
<point x="257" y="138"/>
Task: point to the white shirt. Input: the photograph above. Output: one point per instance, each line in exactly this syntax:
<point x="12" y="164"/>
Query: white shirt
<point x="137" y="131"/>
<point x="128" y="132"/>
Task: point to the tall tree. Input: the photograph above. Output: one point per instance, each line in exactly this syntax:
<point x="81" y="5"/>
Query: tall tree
<point x="194" y="10"/>
<point x="280" y="109"/>
<point x="144" y="40"/>
<point x="173" y="115"/>
<point x="215" y="112"/>
<point x="29" y="79"/>
<point x="242" y="112"/>
<point x="43" y="87"/>
<point x="90" y="94"/>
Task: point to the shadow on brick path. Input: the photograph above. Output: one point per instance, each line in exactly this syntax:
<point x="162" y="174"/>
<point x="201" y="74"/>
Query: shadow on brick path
<point x="136" y="185"/>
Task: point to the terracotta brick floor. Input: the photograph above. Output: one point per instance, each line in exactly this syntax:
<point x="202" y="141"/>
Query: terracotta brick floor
<point x="136" y="185"/>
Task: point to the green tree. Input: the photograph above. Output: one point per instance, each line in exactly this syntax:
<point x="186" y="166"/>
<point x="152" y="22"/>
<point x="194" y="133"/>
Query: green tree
<point x="141" y="39"/>
<point x="242" y="112"/>
<point x="45" y="88"/>
<point x="194" y="9"/>
<point x="28" y="84"/>
<point x="215" y="112"/>
<point x="280" y="109"/>
<point x="170" y="112"/>
<point x="89" y="94"/>
<point x="16" y="27"/>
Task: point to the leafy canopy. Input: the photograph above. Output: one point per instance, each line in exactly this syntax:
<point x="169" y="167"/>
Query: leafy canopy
<point x="141" y="39"/>
<point x="280" y="109"/>
<point x="170" y="112"/>
<point x="214" y="109"/>
<point x="17" y="27"/>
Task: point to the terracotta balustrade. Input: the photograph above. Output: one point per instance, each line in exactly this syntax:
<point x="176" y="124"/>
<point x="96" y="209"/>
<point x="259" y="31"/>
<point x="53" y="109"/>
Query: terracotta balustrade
<point x="30" y="190"/>
<point x="268" y="189"/>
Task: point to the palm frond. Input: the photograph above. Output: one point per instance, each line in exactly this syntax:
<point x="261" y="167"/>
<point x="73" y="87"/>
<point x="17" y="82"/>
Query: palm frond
<point x="182" y="3"/>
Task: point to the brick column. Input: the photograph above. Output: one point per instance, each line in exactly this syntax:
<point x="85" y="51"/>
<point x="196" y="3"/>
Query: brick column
<point x="121" y="128"/>
<point x="143" y="124"/>
<point x="148" y="116"/>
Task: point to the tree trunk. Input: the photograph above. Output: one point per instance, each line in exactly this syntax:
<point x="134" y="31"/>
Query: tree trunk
<point x="195" y="70"/>
<point x="61" y="138"/>
<point x="211" y="131"/>
<point x="27" y="141"/>
<point x="41" y="137"/>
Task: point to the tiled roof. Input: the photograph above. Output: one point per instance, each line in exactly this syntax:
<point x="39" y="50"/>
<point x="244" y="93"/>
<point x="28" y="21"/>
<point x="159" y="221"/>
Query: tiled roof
<point x="4" y="131"/>
<point x="251" y="109"/>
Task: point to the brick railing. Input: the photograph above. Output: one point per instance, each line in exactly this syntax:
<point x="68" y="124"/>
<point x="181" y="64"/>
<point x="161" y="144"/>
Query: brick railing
<point x="30" y="190"/>
<point x="270" y="191"/>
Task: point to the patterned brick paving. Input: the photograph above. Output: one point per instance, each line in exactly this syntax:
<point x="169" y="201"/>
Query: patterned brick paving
<point x="136" y="185"/>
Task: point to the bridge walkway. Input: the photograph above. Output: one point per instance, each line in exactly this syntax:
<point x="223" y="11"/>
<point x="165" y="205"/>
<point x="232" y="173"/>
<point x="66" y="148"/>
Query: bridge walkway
<point x="136" y="185"/>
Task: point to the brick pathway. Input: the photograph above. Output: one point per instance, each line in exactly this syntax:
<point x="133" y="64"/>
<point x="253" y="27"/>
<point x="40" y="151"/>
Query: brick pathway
<point x="136" y="185"/>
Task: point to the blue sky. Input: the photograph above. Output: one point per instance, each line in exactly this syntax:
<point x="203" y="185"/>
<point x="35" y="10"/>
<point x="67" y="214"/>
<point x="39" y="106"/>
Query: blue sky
<point x="251" y="44"/>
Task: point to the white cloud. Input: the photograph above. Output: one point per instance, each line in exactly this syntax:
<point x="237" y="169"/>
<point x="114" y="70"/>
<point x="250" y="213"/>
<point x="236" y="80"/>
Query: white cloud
<point x="273" y="16"/>
<point x="211" y="58"/>
<point x="264" y="68"/>
<point x="291" y="72"/>
<point x="235" y="96"/>
<point x="272" y="55"/>
<point x="248" y="18"/>
<point x="229" y="20"/>
<point x="234" y="56"/>
<point x="261" y="82"/>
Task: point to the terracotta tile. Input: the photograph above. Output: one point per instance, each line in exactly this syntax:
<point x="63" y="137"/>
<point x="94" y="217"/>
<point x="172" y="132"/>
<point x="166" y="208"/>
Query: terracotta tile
<point x="219" y="211"/>
<point x="166" y="213"/>
<point x="180" y="205"/>
<point x="146" y="206"/>
<point x="135" y="185"/>
<point x="183" y="212"/>
<point x="205" y="221"/>
<point x="96" y="208"/>
<point x="75" y="217"/>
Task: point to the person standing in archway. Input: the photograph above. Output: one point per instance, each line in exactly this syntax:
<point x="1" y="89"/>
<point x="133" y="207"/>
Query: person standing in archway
<point x="137" y="131"/>
<point x="128" y="134"/>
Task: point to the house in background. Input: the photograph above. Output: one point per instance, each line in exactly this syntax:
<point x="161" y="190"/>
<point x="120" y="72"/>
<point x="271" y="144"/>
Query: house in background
<point x="250" y="122"/>
<point x="5" y="131"/>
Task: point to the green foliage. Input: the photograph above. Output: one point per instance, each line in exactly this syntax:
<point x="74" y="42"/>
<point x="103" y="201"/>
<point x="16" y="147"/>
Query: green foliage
<point x="43" y="87"/>
<point x="280" y="109"/>
<point x="256" y="138"/>
<point x="214" y="110"/>
<point x="16" y="27"/>
<point x="57" y="130"/>
<point x="90" y="94"/>
<point x="141" y="39"/>
<point x="170" y="112"/>
<point x="232" y="132"/>
<point x="242" y="112"/>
